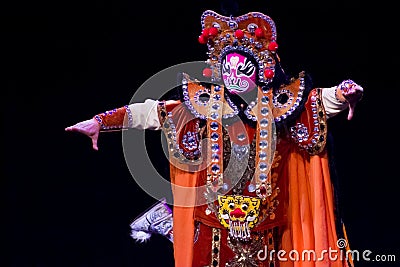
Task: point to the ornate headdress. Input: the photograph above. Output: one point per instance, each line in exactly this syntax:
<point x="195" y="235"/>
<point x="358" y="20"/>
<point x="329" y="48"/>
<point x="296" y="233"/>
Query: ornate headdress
<point x="252" y="34"/>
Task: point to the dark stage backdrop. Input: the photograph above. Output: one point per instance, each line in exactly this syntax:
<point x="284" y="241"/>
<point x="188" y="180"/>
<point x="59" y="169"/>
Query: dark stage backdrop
<point x="64" y="204"/>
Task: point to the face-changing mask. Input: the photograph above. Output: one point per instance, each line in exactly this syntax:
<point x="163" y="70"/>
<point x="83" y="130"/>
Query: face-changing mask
<point x="238" y="73"/>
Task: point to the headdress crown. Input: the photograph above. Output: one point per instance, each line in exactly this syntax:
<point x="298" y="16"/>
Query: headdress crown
<point x="253" y="34"/>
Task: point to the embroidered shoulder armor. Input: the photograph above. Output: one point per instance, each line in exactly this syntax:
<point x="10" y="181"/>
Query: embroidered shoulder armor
<point x="196" y="96"/>
<point x="289" y="99"/>
<point x="294" y="105"/>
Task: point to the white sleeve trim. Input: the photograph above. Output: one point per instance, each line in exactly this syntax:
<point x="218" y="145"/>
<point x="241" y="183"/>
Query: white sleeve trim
<point x="145" y="115"/>
<point x="331" y="104"/>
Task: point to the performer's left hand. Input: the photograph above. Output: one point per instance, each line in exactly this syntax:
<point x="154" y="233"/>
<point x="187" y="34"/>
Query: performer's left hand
<point x="353" y="93"/>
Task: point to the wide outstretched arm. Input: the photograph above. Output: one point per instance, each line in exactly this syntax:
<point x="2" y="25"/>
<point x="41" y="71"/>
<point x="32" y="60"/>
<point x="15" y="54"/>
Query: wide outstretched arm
<point x="137" y="115"/>
<point x="338" y="98"/>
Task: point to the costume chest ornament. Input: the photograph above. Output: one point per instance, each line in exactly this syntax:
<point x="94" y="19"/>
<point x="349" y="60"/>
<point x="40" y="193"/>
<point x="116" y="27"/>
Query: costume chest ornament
<point x="238" y="214"/>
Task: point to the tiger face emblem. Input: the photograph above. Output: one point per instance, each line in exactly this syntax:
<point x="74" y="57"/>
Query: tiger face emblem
<point x="238" y="214"/>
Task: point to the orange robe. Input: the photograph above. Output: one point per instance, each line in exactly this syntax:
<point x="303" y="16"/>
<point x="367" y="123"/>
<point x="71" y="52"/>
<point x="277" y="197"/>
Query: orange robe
<point x="308" y="222"/>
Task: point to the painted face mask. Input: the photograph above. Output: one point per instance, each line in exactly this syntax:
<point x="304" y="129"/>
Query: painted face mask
<point x="238" y="73"/>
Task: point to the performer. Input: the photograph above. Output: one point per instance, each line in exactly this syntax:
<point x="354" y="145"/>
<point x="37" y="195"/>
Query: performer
<point x="261" y="179"/>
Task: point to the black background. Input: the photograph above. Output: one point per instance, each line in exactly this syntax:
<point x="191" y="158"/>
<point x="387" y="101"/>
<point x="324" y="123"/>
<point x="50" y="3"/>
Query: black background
<point x="65" y="204"/>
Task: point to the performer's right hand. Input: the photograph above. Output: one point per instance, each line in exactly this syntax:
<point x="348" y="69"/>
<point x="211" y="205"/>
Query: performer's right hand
<point x="89" y="127"/>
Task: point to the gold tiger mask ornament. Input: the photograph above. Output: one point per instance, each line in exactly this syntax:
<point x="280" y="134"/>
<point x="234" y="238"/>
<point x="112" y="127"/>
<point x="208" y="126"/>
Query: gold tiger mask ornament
<point x="238" y="214"/>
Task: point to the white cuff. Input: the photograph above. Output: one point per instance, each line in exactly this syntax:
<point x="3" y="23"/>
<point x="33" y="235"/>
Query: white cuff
<point x="145" y="115"/>
<point x="331" y="104"/>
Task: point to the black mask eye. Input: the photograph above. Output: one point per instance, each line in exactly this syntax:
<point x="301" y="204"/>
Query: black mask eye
<point x="246" y="69"/>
